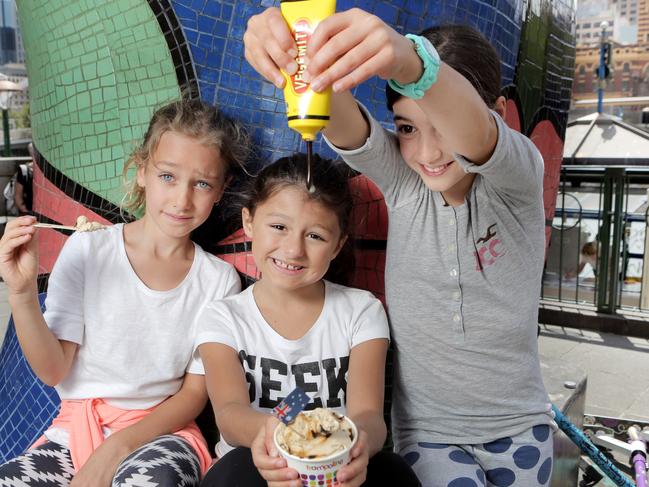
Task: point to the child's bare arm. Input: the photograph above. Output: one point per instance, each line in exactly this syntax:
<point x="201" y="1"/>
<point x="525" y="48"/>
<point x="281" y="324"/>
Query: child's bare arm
<point x="347" y="129"/>
<point x="350" y="47"/>
<point x="19" y="195"/>
<point x="365" y="406"/>
<point x="49" y="357"/>
<point x="460" y="116"/>
<point x="228" y="390"/>
<point x="365" y="390"/>
<point x="239" y="424"/>
<point x="172" y="415"/>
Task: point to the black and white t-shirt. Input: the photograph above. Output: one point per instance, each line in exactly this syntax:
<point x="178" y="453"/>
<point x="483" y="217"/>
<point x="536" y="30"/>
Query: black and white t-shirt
<point x="317" y="362"/>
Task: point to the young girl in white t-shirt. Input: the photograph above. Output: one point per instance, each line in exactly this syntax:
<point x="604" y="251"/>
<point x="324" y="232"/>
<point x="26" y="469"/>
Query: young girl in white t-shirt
<point x="294" y="328"/>
<point x="117" y="336"/>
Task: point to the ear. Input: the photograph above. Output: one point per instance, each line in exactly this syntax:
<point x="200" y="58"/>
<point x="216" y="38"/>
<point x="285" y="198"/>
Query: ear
<point x="500" y="107"/>
<point x="140" y="173"/>
<point x="246" y="219"/>
<point x="339" y="247"/>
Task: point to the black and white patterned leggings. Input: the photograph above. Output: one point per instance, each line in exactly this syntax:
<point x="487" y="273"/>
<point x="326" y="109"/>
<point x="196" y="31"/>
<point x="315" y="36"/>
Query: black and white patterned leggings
<point x="167" y="461"/>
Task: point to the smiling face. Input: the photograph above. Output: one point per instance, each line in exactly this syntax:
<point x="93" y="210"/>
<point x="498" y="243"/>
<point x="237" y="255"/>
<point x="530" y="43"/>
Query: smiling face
<point x="294" y="238"/>
<point x="182" y="180"/>
<point x="426" y="152"/>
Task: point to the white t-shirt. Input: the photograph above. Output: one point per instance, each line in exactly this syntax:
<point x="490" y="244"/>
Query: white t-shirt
<point x="317" y="362"/>
<point x="135" y="343"/>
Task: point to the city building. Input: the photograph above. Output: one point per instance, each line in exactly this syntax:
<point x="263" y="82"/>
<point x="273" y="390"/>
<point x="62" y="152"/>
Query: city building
<point x="588" y="30"/>
<point x="627" y="86"/>
<point x="8" y="27"/>
<point x="20" y="46"/>
<point x="18" y="74"/>
<point x="628" y="9"/>
<point x="621" y="17"/>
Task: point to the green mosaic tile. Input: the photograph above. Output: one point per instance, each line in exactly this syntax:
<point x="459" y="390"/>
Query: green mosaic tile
<point x="105" y="67"/>
<point x="90" y="44"/>
<point x="92" y="142"/>
<point x="109" y="93"/>
<point x="89" y="71"/>
<point x="97" y="71"/>
<point x="100" y="172"/>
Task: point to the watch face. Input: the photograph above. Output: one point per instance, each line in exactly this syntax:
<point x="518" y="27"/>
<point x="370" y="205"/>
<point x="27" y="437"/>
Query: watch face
<point x="429" y="49"/>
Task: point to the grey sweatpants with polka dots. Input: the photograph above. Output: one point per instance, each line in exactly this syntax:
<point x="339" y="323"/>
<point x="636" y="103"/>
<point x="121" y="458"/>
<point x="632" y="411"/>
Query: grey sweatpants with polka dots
<point x="523" y="460"/>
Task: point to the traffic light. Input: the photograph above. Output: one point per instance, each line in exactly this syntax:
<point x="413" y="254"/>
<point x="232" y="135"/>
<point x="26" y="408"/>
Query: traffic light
<point x="607" y="72"/>
<point x="607" y="54"/>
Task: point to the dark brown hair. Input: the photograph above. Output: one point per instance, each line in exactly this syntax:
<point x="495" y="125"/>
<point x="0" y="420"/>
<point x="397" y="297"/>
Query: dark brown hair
<point x="469" y="53"/>
<point x="330" y="188"/>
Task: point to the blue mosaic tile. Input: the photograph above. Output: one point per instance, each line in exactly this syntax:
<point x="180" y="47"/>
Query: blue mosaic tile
<point x="214" y="32"/>
<point x="28" y="405"/>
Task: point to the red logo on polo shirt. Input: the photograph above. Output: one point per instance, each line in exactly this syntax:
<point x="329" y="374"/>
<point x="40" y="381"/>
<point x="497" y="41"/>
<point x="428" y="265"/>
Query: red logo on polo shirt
<point x="488" y="249"/>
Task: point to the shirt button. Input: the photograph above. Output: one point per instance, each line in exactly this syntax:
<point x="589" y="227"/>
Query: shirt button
<point x="456" y="295"/>
<point x="456" y="318"/>
<point x="451" y="247"/>
<point x="453" y="272"/>
<point x="451" y="221"/>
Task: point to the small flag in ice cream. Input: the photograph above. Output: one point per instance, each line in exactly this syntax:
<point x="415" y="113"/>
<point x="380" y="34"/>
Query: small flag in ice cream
<point x="291" y="406"/>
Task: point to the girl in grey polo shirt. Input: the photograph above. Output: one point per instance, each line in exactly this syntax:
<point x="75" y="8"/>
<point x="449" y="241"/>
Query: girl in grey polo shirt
<point x="465" y="245"/>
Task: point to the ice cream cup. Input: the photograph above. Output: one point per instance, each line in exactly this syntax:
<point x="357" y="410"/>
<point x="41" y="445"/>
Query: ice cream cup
<point x="318" y="472"/>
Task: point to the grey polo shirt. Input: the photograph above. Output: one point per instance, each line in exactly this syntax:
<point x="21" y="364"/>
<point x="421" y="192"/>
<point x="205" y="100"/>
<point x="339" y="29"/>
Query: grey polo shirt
<point x="462" y="289"/>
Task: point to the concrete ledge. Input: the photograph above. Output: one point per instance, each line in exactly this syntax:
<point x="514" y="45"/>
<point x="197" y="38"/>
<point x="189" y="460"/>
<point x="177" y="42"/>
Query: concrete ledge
<point x="587" y="318"/>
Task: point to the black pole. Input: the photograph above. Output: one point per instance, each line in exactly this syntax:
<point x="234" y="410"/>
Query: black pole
<point x="5" y="129"/>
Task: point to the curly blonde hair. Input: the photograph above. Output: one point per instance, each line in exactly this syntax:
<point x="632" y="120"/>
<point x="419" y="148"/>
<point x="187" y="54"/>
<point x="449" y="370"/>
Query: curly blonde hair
<point x="195" y="119"/>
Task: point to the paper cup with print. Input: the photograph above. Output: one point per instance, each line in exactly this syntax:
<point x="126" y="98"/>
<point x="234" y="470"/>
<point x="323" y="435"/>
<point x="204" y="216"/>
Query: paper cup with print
<point x="314" y="468"/>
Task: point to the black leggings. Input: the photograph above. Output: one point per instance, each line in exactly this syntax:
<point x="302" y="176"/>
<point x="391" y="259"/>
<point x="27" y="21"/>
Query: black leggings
<point x="236" y="469"/>
<point x="167" y="461"/>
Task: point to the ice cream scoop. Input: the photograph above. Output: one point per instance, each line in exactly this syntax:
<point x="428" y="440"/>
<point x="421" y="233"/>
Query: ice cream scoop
<point x="316" y="434"/>
<point x="85" y="225"/>
<point x="82" y="225"/>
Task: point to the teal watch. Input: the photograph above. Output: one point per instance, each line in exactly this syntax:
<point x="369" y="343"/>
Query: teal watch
<point x="428" y="54"/>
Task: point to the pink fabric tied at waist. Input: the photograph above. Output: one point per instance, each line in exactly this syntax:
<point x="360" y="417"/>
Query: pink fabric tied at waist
<point x="84" y="420"/>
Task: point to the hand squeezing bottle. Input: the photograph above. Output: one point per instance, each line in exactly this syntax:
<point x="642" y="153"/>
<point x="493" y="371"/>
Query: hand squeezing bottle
<point x="306" y="110"/>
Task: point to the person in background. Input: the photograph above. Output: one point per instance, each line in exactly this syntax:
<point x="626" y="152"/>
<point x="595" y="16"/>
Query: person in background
<point x="23" y="192"/>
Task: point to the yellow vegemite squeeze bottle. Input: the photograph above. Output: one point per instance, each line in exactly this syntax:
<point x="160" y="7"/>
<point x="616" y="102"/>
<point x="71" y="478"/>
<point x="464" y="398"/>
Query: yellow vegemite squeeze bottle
<point x="306" y="110"/>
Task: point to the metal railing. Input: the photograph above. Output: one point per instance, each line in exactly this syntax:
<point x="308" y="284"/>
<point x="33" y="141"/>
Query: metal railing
<point x="596" y="255"/>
